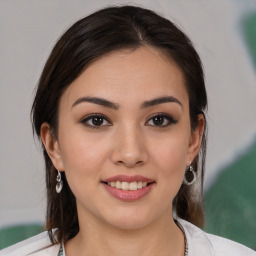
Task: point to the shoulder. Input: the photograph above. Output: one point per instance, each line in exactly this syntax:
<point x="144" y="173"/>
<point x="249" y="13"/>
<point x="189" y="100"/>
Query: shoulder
<point x="201" y="243"/>
<point x="38" y="245"/>
<point x="223" y="246"/>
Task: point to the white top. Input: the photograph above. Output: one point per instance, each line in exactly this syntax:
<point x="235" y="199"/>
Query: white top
<point x="199" y="244"/>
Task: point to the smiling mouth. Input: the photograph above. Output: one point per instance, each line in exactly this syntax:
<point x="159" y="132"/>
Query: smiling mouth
<point x="130" y="186"/>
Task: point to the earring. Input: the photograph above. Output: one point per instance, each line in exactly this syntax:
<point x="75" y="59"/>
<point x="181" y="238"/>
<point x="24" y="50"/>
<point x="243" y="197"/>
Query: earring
<point x="190" y="176"/>
<point x="59" y="184"/>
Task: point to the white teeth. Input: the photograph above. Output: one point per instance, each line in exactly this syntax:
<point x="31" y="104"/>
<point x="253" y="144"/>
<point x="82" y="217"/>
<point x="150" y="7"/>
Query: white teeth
<point x="128" y="185"/>
<point x="133" y="185"/>
<point x="118" y="185"/>
<point x="125" y="186"/>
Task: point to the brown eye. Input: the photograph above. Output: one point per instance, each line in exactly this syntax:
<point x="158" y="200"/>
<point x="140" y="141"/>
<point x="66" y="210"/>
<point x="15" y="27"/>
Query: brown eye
<point x="96" y="121"/>
<point x="161" y="120"/>
<point x="158" y="120"/>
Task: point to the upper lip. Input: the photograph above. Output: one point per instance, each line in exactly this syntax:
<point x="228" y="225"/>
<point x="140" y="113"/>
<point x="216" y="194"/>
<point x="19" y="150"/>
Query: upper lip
<point x="127" y="178"/>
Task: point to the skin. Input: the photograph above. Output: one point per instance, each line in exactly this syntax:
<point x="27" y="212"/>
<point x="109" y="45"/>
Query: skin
<point x="129" y="143"/>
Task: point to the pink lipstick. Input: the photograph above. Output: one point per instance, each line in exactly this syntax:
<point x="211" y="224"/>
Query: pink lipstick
<point x="128" y="188"/>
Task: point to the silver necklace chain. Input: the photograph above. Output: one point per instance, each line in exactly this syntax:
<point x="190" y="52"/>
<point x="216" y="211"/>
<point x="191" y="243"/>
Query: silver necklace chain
<point x="185" y="238"/>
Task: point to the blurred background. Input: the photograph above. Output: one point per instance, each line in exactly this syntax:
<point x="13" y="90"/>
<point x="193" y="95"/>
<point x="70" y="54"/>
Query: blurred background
<point x="224" y="34"/>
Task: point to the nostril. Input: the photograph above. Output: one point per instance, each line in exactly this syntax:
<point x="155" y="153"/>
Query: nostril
<point x="129" y="163"/>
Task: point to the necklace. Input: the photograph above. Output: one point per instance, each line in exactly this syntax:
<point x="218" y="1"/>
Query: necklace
<point x="62" y="250"/>
<point x="185" y="238"/>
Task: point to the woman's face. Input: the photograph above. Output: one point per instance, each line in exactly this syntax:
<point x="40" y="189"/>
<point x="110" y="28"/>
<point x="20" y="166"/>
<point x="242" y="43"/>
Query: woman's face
<point x="124" y="138"/>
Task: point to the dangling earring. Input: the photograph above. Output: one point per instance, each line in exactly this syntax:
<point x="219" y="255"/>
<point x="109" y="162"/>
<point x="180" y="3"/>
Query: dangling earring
<point x="59" y="184"/>
<point x="190" y="176"/>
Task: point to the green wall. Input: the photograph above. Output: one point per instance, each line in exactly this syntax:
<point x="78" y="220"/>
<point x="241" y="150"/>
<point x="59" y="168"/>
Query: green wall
<point x="230" y="204"/>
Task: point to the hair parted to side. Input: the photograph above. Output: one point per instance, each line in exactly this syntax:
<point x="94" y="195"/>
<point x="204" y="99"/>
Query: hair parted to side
<point x="105" y="31"/>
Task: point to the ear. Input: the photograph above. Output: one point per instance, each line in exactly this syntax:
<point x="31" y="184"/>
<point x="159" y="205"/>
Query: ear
<point x="196" y="139"/>
<point x="51" y="146"/>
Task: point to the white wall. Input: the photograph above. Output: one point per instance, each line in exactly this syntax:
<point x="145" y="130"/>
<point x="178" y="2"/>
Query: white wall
<point x="29" y="29"/>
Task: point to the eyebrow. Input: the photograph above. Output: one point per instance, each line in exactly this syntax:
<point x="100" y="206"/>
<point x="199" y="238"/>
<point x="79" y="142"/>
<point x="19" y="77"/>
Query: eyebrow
<point x="115" y="106"/>
<point x="161" y="100"/>
<point x="99" y="101"/>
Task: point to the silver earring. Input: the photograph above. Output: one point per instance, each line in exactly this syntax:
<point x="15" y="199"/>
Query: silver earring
<point x="190" y="175"/>
<point x="59" y="184"/>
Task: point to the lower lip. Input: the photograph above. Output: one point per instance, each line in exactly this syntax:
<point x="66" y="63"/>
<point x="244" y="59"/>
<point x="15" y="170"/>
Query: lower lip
<point x="128" y="195"/>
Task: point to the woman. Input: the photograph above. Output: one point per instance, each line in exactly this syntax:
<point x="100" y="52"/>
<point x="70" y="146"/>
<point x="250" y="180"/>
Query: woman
<point x="119" y="109"/>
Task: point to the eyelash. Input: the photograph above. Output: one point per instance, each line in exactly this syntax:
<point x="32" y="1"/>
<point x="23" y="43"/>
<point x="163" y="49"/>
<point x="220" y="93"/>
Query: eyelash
<point x="89" y="118"/>
<point x="170" y="120"/>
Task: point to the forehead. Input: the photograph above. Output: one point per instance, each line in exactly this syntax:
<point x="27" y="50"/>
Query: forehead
<point x="129" y="76"/>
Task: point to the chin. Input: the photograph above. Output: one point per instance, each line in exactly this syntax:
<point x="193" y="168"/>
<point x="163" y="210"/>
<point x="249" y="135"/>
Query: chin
<point x="129" y="220"/>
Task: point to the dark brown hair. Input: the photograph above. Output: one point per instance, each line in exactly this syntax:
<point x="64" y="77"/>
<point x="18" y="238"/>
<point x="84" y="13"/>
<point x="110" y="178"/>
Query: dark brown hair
<point x="105" y="31"/>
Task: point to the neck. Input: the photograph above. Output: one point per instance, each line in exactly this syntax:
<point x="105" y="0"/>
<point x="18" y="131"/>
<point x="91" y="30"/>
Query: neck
<point x="162" y="237"/>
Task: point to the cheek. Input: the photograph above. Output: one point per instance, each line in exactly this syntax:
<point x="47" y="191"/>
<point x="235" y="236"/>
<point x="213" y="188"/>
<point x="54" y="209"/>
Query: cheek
<point x="169" y="158"/>
<point x="171" y="154"/>
<point x="83" y="160"/>
<point x="171" y="166"/>
<point x="82" y="155"/>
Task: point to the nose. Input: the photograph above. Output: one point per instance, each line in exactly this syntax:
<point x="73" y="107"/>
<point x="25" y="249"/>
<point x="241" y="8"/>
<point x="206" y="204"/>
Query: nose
<point x="129" y="148"/>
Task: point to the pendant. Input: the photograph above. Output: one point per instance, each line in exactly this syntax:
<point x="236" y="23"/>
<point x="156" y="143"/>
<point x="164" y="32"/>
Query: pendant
<point x="59" y="186"/>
